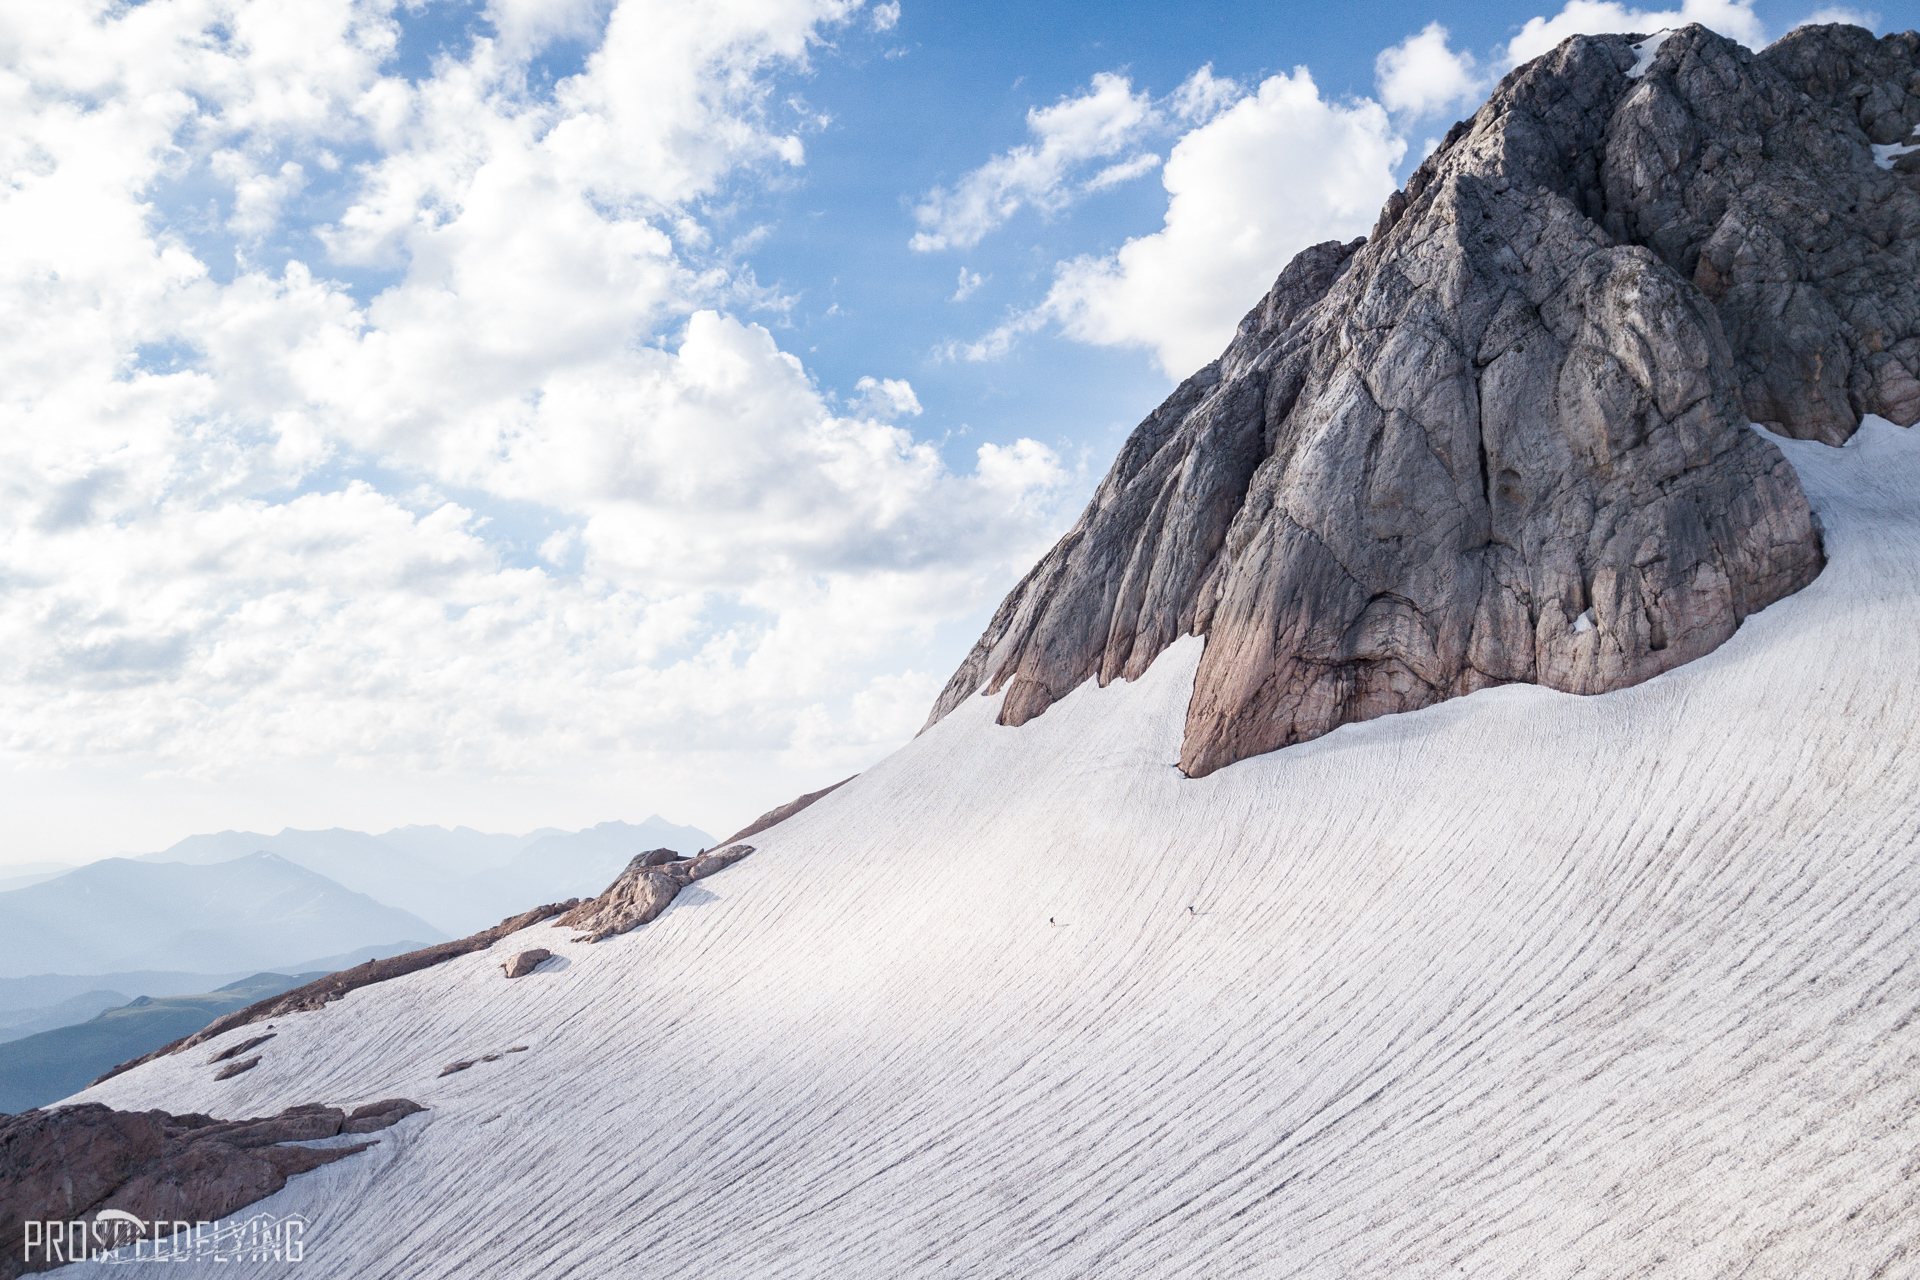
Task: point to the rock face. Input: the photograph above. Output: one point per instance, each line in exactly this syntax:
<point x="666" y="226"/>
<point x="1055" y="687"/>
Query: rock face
<point x="1754" y="177"/>
<point x="75" y="1163"/>
<point x="645" y="889"/>
<point x="1504" y="438"/>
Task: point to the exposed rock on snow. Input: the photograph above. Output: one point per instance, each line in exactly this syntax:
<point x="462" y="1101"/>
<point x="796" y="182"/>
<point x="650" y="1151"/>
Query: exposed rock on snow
<point x="774" y="817"/>
<point x="235" y="1051"/>
<point x="383" y="1114"/>
<point x="645" y="889"/>
<point x="326" y="990"/>
<point x="526" y="962"/>
<point x="1522" y="401"/>
<point x="233" y="1069"/>
<point x="76" y="1162"/>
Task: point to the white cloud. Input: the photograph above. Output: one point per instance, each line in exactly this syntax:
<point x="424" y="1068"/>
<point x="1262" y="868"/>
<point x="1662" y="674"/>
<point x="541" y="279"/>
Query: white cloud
<point x="1868" y="18"/>
<point x="1202" y="96"/>
<point x="1733" y="18"/>
<point x="1279" y="170"/>
<point x="1019" y="470"/>
<point x="526" y="26"/>
<point x="1422" y="75"/>
<point x="886" y="398"/>
<point x="1106" y="120"/>
<point x="886" y="16"/>
<point x="257" y="197"/>
<point x="1098" y="123"/>
<point x="999" y="340"/>
<point x="969" y="282"/>
<point x="661" y="539"/>
<point x="1126" y="171"/>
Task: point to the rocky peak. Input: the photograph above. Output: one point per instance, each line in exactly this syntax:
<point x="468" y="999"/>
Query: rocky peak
<point x="1505" y="437"/>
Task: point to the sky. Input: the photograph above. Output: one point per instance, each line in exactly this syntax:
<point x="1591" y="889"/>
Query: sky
<point x="543" y="412"/>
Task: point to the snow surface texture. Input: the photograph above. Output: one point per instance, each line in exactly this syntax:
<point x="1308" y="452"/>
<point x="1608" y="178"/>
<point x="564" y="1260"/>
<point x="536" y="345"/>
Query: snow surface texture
<point x="1522" y="985"/>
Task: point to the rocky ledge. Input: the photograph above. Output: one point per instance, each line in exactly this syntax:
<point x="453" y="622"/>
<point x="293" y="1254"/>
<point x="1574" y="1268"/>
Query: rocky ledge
<point x="1505" y="438"/>
<point x="75" y="1164"/>
<point x="646" y="888"/>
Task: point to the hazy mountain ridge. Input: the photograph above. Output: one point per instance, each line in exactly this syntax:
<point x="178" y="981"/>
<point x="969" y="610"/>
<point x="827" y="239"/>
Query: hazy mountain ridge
<point x="248" y="914"/>
<point x="41" y="1068"/>
<point x="16" y="1024"/>
<point x="21" y="874"/>
<point x="459" y="879"/>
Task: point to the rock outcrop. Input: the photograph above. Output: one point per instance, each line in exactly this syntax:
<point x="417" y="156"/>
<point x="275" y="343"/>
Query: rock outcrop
<point x="643" y="890"/>
<point x="234" y="1051"/>
<point x="525" y="962"/>
<point x="1504" y="438"/>
<point x="76" y="1163"/>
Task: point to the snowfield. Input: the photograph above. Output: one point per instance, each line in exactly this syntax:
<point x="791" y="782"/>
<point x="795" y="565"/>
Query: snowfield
<point x="1522" y="985"/>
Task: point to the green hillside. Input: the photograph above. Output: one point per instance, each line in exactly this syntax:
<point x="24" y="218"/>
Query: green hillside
<point x="44" y="1068"/>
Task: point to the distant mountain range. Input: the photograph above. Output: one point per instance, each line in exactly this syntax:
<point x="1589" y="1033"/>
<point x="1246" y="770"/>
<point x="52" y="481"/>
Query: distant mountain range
<point x="247" y="914"/>
<point x="19" y="875"/>
<point x="460" y="880"/>
<point x="48" y="1066"/>
<point x="48" y="1001"/>
<point x="16" y="1024"/>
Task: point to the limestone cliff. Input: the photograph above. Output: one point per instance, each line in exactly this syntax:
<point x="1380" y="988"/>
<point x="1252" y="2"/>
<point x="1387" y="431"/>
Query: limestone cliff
<point x="1505" y="437"/>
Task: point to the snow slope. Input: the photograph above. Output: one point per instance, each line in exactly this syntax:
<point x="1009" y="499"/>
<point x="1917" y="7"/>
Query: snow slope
<point x="1523" y="985"/>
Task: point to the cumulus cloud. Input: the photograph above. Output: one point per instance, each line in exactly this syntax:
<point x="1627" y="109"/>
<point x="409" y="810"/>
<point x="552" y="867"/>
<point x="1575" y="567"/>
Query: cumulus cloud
<point x="1105" y="121"/>
<point x="886" y="398"/>
<point x="1280" y="169"/>
<point x="1422" y="74"/>
<point x="886" y="16"/>
<point x="1101" y="122"/>
<point x="526" y="26"/>
<point x="1202" y="96"/>
<point x="1020" y="470"/>
<point x="970" y="281"/>
<point x="1733" y="18"/>
<point x="538" y="497"/>
<point x="257" y="197"/>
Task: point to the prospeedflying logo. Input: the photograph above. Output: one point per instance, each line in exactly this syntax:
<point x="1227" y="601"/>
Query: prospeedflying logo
<point x="116" y="1236"/>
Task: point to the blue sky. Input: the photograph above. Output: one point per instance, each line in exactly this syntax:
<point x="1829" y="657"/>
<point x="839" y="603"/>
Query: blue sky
<point x="539" y="412"/>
